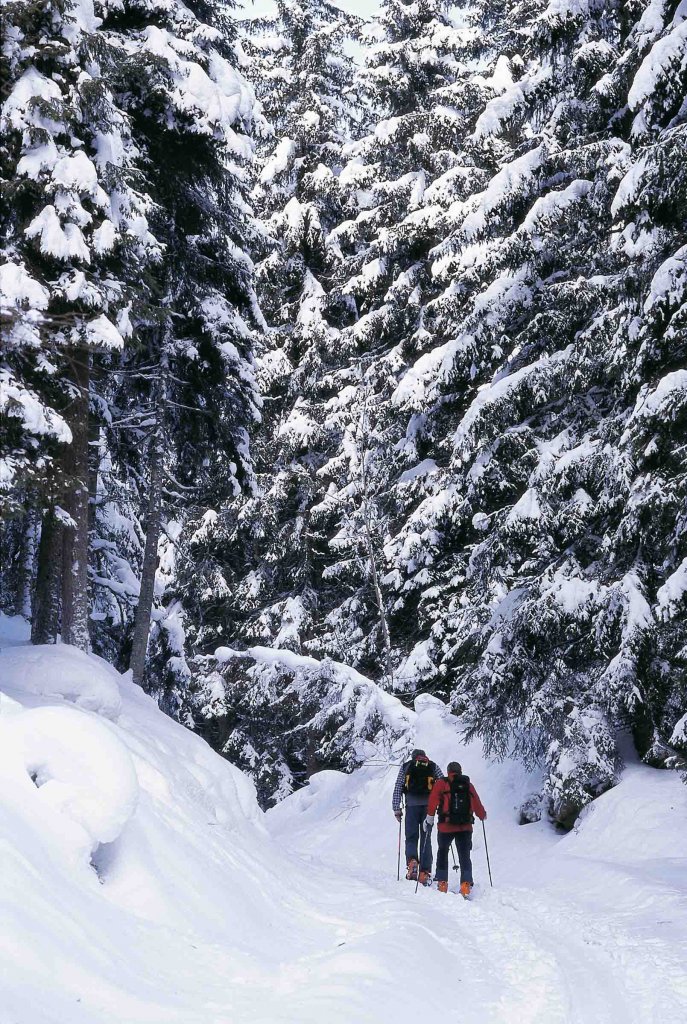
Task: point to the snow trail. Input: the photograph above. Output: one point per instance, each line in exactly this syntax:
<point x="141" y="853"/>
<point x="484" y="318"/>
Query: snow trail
<point x="581" y="928"/>
<point x="174" y="899"/>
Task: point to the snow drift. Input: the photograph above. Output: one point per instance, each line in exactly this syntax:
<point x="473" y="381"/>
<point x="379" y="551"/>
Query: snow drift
<point x="142" y="884"/>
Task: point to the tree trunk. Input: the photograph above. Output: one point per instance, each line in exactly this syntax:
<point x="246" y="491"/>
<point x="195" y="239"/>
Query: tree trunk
<point x="75" y="603"/>
<point x="369" y="542"/>
<point x="94" y="439"/>
<point x="139" y="643"/>
<point x="46" y="595"/>
<point x="383" y="624"/>
<point x="27" y="557"/>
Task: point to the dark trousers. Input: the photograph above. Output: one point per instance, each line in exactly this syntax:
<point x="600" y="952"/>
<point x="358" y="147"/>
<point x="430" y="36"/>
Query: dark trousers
<point x="415" y="815"/>
<point x="464" y="844"/>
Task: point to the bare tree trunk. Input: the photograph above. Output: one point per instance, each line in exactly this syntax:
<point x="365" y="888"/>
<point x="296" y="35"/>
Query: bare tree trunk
<point x="27" y="557"/>
<point x="75" y="603"/>
<point x="139" y="643"/>
<point x="383" y="623"/>
<point x="46" y="597"/>
<point x="369" y="543"/>
<point x="94" y="438"/>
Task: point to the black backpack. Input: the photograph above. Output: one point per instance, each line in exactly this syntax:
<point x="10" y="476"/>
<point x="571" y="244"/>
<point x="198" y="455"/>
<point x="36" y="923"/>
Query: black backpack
<point x="457" y="809"/>
<point x="419" y="776"/>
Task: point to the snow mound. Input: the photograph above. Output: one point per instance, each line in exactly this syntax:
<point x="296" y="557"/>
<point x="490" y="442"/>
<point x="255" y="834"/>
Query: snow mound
<point x="57" y="672"/>
<point x="122" y="837"/>
<point x="70" y="774"/>
<point x="655" y="828"/>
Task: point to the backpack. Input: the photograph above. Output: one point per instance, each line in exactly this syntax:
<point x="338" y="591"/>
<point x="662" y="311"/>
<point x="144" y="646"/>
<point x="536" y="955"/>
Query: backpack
<point x="456" y="809"/>
<point x="419" y="776"/>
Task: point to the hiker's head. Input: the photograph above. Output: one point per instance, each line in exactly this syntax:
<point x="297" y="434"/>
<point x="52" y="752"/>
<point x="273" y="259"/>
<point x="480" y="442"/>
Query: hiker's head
<point x="454" y="768"/>
<point x="418" y="753"/>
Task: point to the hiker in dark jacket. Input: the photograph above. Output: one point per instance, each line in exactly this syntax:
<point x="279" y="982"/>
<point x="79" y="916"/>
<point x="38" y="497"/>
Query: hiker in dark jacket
<point x="414" y="783"/>
<point x="457" y="801"/>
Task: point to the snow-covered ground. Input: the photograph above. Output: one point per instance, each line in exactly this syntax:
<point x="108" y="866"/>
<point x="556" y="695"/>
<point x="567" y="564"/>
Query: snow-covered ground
<point x="140" y="882"/>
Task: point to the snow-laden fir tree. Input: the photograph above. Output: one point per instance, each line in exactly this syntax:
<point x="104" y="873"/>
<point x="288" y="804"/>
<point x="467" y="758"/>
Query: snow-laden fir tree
<point x="265" y="547"/>
<point x="75" y="242"/>
<point x="424" y="80"/>
<point x="381" y="245"/>
<point x="183" y="399"/>
<point x="539" y="610"/>
<point x="650" y="230"/>
<point x="123" y="122"/>
<point x="304" y="79"/>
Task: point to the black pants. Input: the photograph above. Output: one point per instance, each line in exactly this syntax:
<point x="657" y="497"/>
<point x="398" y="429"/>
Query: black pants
<point x="415" y="815"/>
<point x="464" y="845"/>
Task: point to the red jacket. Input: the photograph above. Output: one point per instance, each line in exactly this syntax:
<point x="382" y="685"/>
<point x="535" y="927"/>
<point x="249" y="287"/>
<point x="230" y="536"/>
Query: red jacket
<point x="441" y="788"/>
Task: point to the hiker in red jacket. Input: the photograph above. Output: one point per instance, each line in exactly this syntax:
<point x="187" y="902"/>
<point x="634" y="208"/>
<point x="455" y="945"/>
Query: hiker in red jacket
<point x="457" y="802"/>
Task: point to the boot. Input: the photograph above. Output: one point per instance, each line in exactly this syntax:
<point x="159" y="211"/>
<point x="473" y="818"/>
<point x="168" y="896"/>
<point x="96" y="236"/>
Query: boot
<point x="465" y="889"/>
<point x="425" y="878"/>
<point x="411" y="873"/>
<point x="442" y="886"/>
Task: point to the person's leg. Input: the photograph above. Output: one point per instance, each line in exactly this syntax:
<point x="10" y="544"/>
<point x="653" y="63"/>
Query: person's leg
<point x="426" y="856"/>
<point x="464" y="844"/>
<point x="414" y="817"/>
<point x="444" y="840"/>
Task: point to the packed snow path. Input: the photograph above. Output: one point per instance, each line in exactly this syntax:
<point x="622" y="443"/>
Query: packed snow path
<point x="141" y="884"/>
<point x="586" y="928"/>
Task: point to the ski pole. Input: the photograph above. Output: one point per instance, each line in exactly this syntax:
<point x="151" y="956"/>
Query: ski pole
<point x="486" y="850"/>
<point x="453" y="854"/>
<point x="398" y="870"/>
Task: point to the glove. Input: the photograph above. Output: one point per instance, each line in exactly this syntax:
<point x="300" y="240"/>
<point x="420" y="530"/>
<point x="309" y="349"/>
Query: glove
<point x="398" y="815"/>
<point x="428" y="824"/>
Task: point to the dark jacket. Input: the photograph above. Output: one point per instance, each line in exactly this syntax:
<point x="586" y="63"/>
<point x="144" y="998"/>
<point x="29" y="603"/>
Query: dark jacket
<point x="411" y="798"/>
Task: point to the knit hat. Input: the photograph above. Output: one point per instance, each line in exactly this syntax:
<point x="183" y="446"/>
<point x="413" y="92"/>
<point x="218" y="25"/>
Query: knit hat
<point x="454" y="768"/>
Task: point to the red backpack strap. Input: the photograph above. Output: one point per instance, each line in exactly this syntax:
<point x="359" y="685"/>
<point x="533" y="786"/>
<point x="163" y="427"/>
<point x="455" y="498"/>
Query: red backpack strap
<point x="444" y="800"/>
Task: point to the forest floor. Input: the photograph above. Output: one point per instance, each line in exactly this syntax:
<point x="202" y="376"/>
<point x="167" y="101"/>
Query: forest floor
<point x="141" y="883"/>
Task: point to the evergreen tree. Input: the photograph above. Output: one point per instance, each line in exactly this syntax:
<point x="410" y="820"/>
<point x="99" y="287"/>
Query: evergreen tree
<point x="164" y="115"/>
<point x="197" y="376"/>
<point x="403" y="176"/>
<point x="75" y="238"/>
<point x="540" y="613"/>
<point x="467" y="472"/>
<point x="266" y="558"/>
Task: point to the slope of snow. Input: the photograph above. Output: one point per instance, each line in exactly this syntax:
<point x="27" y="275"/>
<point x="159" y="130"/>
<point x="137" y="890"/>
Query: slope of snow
<point x="587" y="927"/>
<point x="142" y="884"/>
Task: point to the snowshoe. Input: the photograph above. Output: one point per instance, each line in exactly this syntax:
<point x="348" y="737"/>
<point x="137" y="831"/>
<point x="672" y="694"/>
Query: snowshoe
<point x="442" y="886"/>
<point x="425" y="878"/>
<point x="465" y="890"/>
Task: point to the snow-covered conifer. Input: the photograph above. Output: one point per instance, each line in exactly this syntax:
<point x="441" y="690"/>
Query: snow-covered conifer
<point x="75" y="240"/>
<point x="267" y="558"/>
<point x="193" y="369"/>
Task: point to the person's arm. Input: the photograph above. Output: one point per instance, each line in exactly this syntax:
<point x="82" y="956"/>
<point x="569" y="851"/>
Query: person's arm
<point x="435" y="797"/>
<point x="438" y="774"/>
<point x="398" y="791"/>
<point x="476" y="804"/>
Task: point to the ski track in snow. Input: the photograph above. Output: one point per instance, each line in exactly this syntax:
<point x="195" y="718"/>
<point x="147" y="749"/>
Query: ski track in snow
<point x="519" y="957"/>
<point x="204" y="911"/>
<point x="562" y="938"/>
